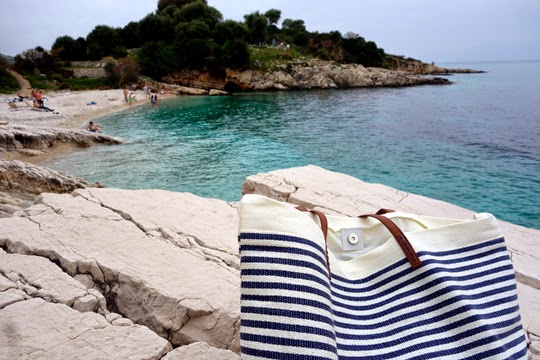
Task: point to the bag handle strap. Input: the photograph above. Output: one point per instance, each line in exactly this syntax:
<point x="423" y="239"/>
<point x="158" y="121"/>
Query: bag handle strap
<point x="400" y="237"/>
<point x="324" y="228"/>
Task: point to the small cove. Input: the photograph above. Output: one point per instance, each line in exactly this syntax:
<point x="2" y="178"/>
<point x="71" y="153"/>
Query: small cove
<point x="475" y="143"/>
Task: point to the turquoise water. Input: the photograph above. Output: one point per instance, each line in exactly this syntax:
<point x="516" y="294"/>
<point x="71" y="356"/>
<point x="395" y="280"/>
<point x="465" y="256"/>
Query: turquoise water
<point x="475" y="143"/>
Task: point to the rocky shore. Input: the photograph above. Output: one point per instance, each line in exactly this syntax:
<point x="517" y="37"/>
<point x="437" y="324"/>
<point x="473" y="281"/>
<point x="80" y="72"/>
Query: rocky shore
<point x="303" y="75"/>
<point x="108" y="273"/>
<point x="92" y="272"/>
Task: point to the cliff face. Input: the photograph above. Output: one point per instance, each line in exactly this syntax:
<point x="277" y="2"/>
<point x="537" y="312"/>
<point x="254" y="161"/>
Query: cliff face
<point x="417" y="67"/>
<point x="303" y="75"/>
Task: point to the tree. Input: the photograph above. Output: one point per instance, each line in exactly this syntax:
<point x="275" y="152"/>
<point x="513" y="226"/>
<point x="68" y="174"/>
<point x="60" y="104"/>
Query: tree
<point x="198" y="10"/>
<point x="235" y="54"/>
<point x="361" y="52"/>
<point x="196" y="29"/>
<point x="293" y="26"/>
<point x="130" y="35"/>
<point x="273" y="16"/>
<point x="102" y="41"/>
<point x="69" y="49"/>
<point x="257" y="25"/>
<point x="122" y="72"/>
<point x="196" y="52"/>
<point x="156" y="28"/>
<point x="163" y="4"/>
<point x="230" y="30"/>
<point x="157" y="59"/>
<point x="296" y="29"/>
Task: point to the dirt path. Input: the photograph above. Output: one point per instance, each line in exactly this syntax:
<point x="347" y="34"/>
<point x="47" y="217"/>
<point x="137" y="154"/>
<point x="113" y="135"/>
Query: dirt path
<point x="24" y="84"/>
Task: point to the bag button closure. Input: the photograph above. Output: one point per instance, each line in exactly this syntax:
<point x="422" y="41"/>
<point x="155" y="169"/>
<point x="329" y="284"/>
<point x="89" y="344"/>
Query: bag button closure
<point x="353" y="238"/>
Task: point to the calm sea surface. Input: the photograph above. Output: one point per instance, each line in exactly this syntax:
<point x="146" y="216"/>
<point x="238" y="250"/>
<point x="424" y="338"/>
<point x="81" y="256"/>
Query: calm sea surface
<point x="475" y="143"/>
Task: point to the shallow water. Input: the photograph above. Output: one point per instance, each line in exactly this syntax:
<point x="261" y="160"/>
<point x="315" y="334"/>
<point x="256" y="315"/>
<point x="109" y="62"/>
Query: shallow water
<point x="474" y="143"/>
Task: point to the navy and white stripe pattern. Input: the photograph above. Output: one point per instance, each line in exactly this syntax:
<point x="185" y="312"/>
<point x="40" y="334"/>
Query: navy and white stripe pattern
<point x="460" y="304"/>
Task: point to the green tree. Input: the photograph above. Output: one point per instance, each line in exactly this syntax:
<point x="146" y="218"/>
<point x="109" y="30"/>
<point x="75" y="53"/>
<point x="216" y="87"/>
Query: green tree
<point x="229" y="30"/>
<point x="122" y="72"/>
<point x="235" y="54"/>
<point x="69" y="49"/>
<point x="198" y="10"/>
<point x="157" y="59"/>
<point x="163" y="4"/>
<point x="8" y="83"/>
<point x="360" y="51"/>
<point x="273" y="16"/>
<point x="156" y="28"/>
<point x="197" y="52"/>
<point x="130" y="35"/>
<point x="296" y="29"/>
<point x="196" y="29"/>
<point x="257" y="25"/>
<point x="102" y="41"/>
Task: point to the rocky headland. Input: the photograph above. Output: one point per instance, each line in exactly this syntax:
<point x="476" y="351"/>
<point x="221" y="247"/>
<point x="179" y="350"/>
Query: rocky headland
<point x="303" y="75"/>
<point x="107" y="273"/>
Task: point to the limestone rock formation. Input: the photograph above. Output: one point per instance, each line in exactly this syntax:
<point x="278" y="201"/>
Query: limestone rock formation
<point x="36" y="329"/>
<point x="38" y="277"/>
<point x="417" y="67"/>
<point x="22" y="176"/>
<point x="334" y="193"/>
<point x="200" y="351"/>
<point x="304" y="75"/>
<point x="15" y="137"/>
<point x="21" y="182"/>
<point x="165" y="260"/>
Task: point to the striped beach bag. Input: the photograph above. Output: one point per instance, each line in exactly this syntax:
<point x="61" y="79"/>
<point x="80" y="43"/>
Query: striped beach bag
<point x="381" y="286"/>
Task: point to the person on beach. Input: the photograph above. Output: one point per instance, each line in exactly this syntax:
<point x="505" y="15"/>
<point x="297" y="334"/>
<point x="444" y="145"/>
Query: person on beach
<point x="126" y="95"/>
<point x="39" y="104"/>
<point x="155" y="100"/>
<point x="152" y="100"/>
<point x="93" y="127"/>
<point x="39" y="98"/>
<point x="131" y="98"/>
<point x="146" y="92"/>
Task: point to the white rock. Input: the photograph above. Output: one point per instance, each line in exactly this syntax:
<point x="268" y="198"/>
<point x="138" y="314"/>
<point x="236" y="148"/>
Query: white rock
<point x="44" y="279"/>
<point x="35" y="329"/>
<point x="122" y="322"/>
<point x="86" y="280"/>
<point x="112" y="317"/>
<point x="200" y="351"/>
<point x="175" y="291"/>
<point x="86" y="303"/>
<point x="10" y="297"/>
<point x="5" y="283"/>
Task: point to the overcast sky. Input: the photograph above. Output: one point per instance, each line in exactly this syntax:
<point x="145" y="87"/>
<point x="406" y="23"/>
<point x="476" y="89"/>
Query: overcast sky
<point x="429" y="30"/>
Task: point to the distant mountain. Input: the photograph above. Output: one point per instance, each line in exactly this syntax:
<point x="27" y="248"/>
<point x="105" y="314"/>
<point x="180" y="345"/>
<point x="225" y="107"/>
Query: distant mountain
<point x="10" y="59"/>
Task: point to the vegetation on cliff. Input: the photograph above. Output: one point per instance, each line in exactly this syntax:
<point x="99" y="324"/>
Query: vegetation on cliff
<point x="190" y="34"/>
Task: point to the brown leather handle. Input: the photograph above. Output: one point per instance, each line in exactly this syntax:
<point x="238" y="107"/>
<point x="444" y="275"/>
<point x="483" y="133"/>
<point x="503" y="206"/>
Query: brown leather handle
<point x="324" y="228"/>
<point x="400" y="237"/>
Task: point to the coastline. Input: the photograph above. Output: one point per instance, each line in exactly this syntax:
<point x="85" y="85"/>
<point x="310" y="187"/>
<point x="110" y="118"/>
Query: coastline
<point x="71" y="111"/>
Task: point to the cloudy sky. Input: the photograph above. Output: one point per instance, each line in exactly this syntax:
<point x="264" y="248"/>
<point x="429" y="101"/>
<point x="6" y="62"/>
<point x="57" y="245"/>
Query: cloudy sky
<point x="429" y="30"/>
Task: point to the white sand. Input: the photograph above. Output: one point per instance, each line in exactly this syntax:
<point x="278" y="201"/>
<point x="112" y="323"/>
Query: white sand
<point x="70" y="111"/>
<point x="70" y="108"/>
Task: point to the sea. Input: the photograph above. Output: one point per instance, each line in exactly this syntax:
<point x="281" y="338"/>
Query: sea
<point x="475" y="143"/>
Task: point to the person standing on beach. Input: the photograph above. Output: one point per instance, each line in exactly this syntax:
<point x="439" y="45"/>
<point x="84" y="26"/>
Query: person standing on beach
<point x="131" y="98"/>
<point x="126" y="95"/>
<point x="145" y="89"/>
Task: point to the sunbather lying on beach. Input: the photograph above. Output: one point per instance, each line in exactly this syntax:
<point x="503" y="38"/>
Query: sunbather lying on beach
<point x="41" y="105"/>
<point x="93" y="127"/>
